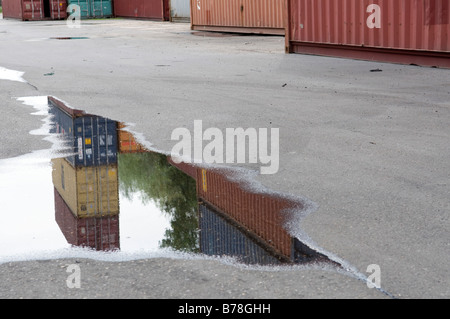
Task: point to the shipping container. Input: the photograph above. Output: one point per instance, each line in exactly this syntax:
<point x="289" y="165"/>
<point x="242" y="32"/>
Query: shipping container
<point x="243" y="16"/>
<point x="220" y="236"/>
<point x="91" y="191"/>
<point x="261" y="213"/>
<point x="261" y="216"/>
<point x="180" y="10"/>
<point x="32" y="10"/>
<point x="99" y="233"/>
<point x="92" y="138"/>
<point x="400" y="31"/>
<point x="94" y="8"/>
<point x="187" y="168"/>
<point x="143" y="9"/>
<point x="127" y="142"/>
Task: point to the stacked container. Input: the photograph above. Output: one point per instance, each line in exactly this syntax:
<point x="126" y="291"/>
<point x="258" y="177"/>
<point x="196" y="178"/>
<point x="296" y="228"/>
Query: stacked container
<point x="93" y="138"/>
<point x="86" y="183"/>
<point x="261" y="216"/>
<point x="100" y="233"/>
<point x="220" y="236"/>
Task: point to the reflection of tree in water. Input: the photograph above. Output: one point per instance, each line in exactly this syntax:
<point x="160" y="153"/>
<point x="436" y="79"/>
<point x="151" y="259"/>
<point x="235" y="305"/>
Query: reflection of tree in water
<point x="173" y="192"/>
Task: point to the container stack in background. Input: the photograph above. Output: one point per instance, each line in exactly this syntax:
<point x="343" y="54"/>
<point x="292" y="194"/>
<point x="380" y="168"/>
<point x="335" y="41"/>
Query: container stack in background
<point x="34" y="10"/>
<point x="403" y="31"/>
<point x="86" y="184"/>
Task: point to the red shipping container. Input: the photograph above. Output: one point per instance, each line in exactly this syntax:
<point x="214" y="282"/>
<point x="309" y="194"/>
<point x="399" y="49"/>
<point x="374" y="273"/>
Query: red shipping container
<point x="144" y="9"/>
<point x="400" y="31"/>
<point x="28" y="10"/>
<point x="186" y="168"/>
<point x="244" y="16"/>
<point x="99" y="233"/>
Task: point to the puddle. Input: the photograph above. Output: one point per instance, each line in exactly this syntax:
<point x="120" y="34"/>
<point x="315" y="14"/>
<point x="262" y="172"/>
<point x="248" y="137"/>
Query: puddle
<point x="98" y="190"/>
<point x="11" y="75"/>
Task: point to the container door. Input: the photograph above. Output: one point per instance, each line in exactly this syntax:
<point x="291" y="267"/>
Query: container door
<point x="101" y="8"/>
<point x="58" y="9"/>
<point x="32" y="10"/>
<point x="84" y="7"/>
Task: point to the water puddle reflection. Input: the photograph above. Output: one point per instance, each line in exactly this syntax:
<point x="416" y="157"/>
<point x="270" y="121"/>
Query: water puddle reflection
<point x="103" y="191"/>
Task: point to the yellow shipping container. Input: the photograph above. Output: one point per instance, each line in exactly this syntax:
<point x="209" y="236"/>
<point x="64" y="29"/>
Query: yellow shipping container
<point x="88" y="191"/>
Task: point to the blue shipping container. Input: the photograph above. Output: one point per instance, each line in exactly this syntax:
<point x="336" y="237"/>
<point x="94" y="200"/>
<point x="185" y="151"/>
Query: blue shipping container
<point x="92" y="138"/>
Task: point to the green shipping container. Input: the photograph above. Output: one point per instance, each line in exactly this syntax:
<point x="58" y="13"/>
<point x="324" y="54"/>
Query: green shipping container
<point x="94" y="8"/>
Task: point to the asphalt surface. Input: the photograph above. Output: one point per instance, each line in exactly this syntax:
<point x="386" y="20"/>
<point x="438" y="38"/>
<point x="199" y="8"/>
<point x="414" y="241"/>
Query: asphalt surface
<point x="371" y="149"/>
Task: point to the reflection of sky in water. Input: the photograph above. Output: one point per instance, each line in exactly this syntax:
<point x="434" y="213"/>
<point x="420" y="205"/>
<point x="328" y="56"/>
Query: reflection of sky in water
<point x="28" y="226"/>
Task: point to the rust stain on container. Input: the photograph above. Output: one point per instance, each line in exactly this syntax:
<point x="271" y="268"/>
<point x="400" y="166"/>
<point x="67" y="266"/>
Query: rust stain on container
<point x="243" y="16"/>
<point x="32" y="10"/>
<point x="401" y="31"/>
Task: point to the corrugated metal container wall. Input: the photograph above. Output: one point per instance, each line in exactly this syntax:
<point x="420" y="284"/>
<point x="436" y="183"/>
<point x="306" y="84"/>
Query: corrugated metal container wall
<point x="94" y="8"/>
<point x="94" y="138"/>
<point x="145" y="9"/>
<point x="218" y="237"/>
<point x="88" y="191"/>
<point x="262" y="214"/>
<point x="97" y="233"/>
<point x="58" y="9"/>
<point x="245" y="16"/>
<point x="180" y="10"/>
<point x="401" y="31"/>
<point x="29" y="10"/>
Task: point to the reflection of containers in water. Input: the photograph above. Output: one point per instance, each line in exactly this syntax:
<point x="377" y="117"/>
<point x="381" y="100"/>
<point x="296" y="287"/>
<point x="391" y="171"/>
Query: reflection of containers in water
<point x="91" y="191"/>
<point x="127" y="142"/>
<point x="28" y="10"/>
<point x="399" y="31"/>
<point x="244" y="16"/>
<point x="222" y="237"/>
<point x="186" y="168"/>
<point x="94" y="8"/>
<point x="144" y="9"/>
<point x="100" y="233"/>
<point x="94" y="138"/>
<point x="260" y="213"/>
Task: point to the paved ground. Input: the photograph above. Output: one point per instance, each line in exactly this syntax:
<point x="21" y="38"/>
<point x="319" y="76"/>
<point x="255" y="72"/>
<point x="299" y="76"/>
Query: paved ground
<point x="370" y="148"/>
